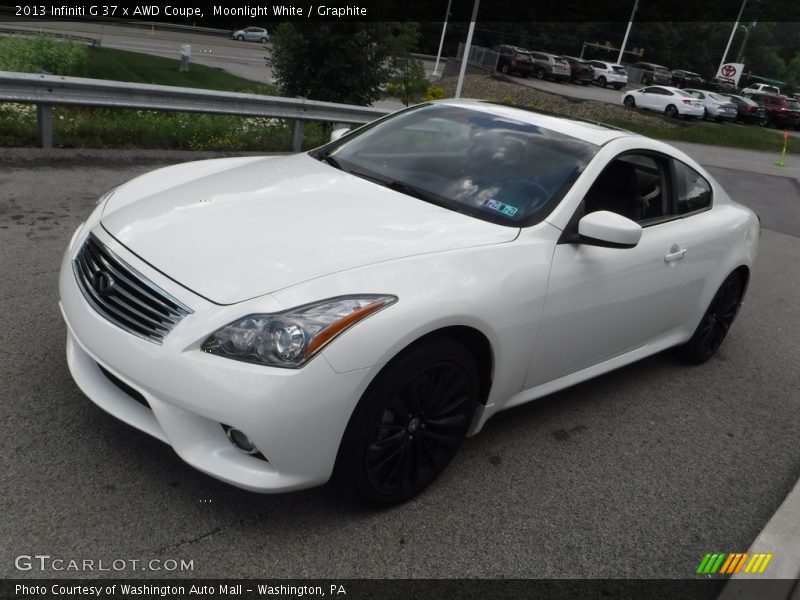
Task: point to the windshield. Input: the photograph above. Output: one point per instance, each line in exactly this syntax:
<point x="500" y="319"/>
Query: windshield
<point x="488" y="166"/>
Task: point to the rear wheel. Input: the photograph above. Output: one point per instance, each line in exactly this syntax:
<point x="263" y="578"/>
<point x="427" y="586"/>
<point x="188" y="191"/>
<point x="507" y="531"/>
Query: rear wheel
<point x="540" y="73"/>
<point x="617" y="86"/>
<point x="671" y="111"/>
<point x="716" y="322"/>
<point x="409" y="423"/>
<point x="240" y="37"/>
<point x="601" y="81"/>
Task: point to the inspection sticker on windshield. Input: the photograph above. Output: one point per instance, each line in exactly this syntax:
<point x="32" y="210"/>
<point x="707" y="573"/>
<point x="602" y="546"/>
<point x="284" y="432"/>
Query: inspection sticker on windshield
<point x="501" y="207"/>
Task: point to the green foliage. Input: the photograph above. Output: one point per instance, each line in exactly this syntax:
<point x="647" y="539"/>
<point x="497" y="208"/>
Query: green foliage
<point x="336" y="61"/>
<point x="43" y="54"/>
<point x="117" y="128"/>
<point x="141" y="68"/>
<point x="434" y="92"/>
<point x="408" y="82"/>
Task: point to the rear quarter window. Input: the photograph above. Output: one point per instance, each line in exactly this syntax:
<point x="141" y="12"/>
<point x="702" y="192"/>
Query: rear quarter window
<point x="694" y="191"/>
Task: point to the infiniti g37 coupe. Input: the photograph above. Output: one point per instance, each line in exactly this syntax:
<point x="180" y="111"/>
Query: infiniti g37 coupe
<point x="356" y="311"/>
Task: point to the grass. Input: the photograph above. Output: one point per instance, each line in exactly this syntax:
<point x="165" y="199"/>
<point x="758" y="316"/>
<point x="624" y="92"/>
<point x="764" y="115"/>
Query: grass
<point x="141" y="68"/>
<point x="125" y="128"/>
<point x="751" y="137"/>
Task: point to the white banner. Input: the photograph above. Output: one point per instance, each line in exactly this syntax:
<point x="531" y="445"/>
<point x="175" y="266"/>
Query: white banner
<point x="731" y="72"/>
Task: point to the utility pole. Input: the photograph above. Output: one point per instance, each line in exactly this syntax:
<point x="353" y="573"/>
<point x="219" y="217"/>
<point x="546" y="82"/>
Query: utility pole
<point x="627" y="33"/>
<point x="435" y="74"/>
<point x="730" y="39"/>
<point x="466" y="48"/>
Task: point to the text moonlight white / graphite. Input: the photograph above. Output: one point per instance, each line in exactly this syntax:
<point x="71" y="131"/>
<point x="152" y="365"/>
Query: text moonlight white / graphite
<point x="280" y="10"/>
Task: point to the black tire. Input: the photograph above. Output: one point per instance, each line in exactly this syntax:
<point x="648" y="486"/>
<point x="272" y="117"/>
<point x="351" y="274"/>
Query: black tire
<point x="409" y="423"/>
<point x="617" y="86"/>
<point x="240" y="38"/>
<point x="629" y="101"/>
<point x="763" y="121"/>
<point x="671" y="111"/>
<point x="602" y="82"/>
<point x="263" y="40"/>
<point x="540" y="73"/>
<point x="705" y="114"/>
<point x="716" y="321"/>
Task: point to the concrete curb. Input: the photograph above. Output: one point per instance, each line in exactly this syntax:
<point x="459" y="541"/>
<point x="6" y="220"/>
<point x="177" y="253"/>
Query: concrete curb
<point x="780" y="537"/>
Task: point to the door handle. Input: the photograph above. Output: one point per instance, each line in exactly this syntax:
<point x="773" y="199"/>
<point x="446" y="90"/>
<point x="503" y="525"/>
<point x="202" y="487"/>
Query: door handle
<point x="675" y="253"/>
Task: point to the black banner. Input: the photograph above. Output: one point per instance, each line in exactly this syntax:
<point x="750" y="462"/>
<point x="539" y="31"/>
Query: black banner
<point x="211" y="14"/>
<point x="383" y="589"/>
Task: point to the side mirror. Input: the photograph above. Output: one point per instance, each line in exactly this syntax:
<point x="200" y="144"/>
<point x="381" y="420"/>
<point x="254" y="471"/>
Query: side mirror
<point x="605" y="228"/>
<point x="339" y="132"/>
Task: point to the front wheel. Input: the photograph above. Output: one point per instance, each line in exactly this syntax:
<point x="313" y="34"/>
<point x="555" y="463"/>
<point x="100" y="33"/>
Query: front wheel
<point x="716" y="322"/>
<point x="629" y="101"/>
<point x="240" y="38"/>
<point x="671" y="111"/>
<point x="540" y="74"/>
<point x="409" y="423"/>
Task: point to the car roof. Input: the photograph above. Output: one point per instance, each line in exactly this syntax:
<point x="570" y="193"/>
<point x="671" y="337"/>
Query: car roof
<point x="594" y="133"/>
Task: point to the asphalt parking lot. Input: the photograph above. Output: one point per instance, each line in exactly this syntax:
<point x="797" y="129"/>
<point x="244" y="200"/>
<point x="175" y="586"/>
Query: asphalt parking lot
<point x="637" y="473"/>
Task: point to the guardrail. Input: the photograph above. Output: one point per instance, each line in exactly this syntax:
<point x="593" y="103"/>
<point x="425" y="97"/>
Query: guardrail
<point x="11" y="31"/>
<point x="47" y="91"/>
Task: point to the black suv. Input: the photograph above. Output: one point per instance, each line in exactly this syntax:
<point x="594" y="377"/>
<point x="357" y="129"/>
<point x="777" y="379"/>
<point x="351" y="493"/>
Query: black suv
<point x="514" y="60"/>
<point x="682" y="79"/>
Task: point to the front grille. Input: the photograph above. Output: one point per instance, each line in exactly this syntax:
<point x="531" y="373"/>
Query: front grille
<point x="123" y="295"/>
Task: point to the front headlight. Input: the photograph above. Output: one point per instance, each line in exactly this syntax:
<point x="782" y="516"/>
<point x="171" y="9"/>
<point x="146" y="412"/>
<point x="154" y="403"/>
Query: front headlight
<point x="290" y="339"/>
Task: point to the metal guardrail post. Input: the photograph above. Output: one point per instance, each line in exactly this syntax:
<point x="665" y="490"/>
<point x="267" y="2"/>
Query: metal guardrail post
<point x="44" y="122"/>
<point x="298" y="127"/>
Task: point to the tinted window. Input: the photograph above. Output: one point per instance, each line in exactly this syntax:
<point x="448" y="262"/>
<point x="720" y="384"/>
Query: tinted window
<point x="489" y="166"/>
<point x="632" y="186"/>
<point x="694" y="192"/>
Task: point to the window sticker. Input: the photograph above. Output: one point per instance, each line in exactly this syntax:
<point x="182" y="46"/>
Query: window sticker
<point x="504" y="209"/>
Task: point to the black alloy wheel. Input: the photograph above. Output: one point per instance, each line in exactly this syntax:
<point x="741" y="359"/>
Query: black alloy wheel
<point x="409" y="424"/>
<point x="716" y="321"/>
<point x="671" y="111"/>
<point x="629" y="101"/>
<point x="602" y="81"/>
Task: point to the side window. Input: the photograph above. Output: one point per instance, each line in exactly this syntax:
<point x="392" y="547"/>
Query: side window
<point x="694" y="192"/>
<point x="633" y="186"/>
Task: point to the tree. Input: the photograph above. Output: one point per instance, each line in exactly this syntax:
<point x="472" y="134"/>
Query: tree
<point x="336" y="61"/>
<point x="407" y="81"/>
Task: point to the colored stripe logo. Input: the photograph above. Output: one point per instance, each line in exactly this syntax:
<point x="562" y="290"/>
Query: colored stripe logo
<point x="731" y="563"/>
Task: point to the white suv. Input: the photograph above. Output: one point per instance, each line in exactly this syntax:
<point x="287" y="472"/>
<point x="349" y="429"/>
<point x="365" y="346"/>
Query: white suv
<point x="606" y="73"/>
<point x="761" y="87"/>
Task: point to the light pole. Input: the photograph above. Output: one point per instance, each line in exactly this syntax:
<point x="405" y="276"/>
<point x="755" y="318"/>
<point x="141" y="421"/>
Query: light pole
<point x="730" y="39"/>
<point x="435" y="73"/>
<point x="466" y="49"/>
<point x="627" y="33"/>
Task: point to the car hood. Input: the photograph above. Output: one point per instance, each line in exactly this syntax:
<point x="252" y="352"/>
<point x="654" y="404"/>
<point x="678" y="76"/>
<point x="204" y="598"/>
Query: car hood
<point x="234" y="229"/>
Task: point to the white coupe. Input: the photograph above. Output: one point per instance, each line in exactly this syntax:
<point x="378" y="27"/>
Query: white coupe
<point x="668" y="100"/>
<point x="358" y="310"/>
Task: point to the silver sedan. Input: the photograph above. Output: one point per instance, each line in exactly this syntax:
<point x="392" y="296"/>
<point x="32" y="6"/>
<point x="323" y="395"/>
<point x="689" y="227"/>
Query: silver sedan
<point x="715" y="106"/>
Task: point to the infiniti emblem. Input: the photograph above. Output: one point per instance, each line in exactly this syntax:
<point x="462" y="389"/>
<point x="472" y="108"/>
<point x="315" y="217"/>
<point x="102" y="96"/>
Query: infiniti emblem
<point x="103" y="284"/>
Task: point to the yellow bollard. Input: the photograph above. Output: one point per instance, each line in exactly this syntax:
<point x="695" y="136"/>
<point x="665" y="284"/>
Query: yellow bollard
<point x="782" y="161"/>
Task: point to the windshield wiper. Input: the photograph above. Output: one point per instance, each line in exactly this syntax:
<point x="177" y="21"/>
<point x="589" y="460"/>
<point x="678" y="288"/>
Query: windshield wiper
<point x="331" y="161"/>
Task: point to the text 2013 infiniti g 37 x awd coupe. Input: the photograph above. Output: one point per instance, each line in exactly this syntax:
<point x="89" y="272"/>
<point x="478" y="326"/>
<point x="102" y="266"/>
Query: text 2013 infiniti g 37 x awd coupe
<point x="358" y="310"/>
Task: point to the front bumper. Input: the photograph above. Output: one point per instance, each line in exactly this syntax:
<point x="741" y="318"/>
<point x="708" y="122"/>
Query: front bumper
<point x="296" y="418"/>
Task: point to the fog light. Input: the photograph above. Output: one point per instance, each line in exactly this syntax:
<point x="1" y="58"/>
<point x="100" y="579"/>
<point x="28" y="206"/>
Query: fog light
<point x="240" y="440"/>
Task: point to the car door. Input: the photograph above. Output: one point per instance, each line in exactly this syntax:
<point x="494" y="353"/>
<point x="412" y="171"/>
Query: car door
<point x="602" y="302"/>
<point x="251" y="34"/>
<point x="650" y="98"/>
